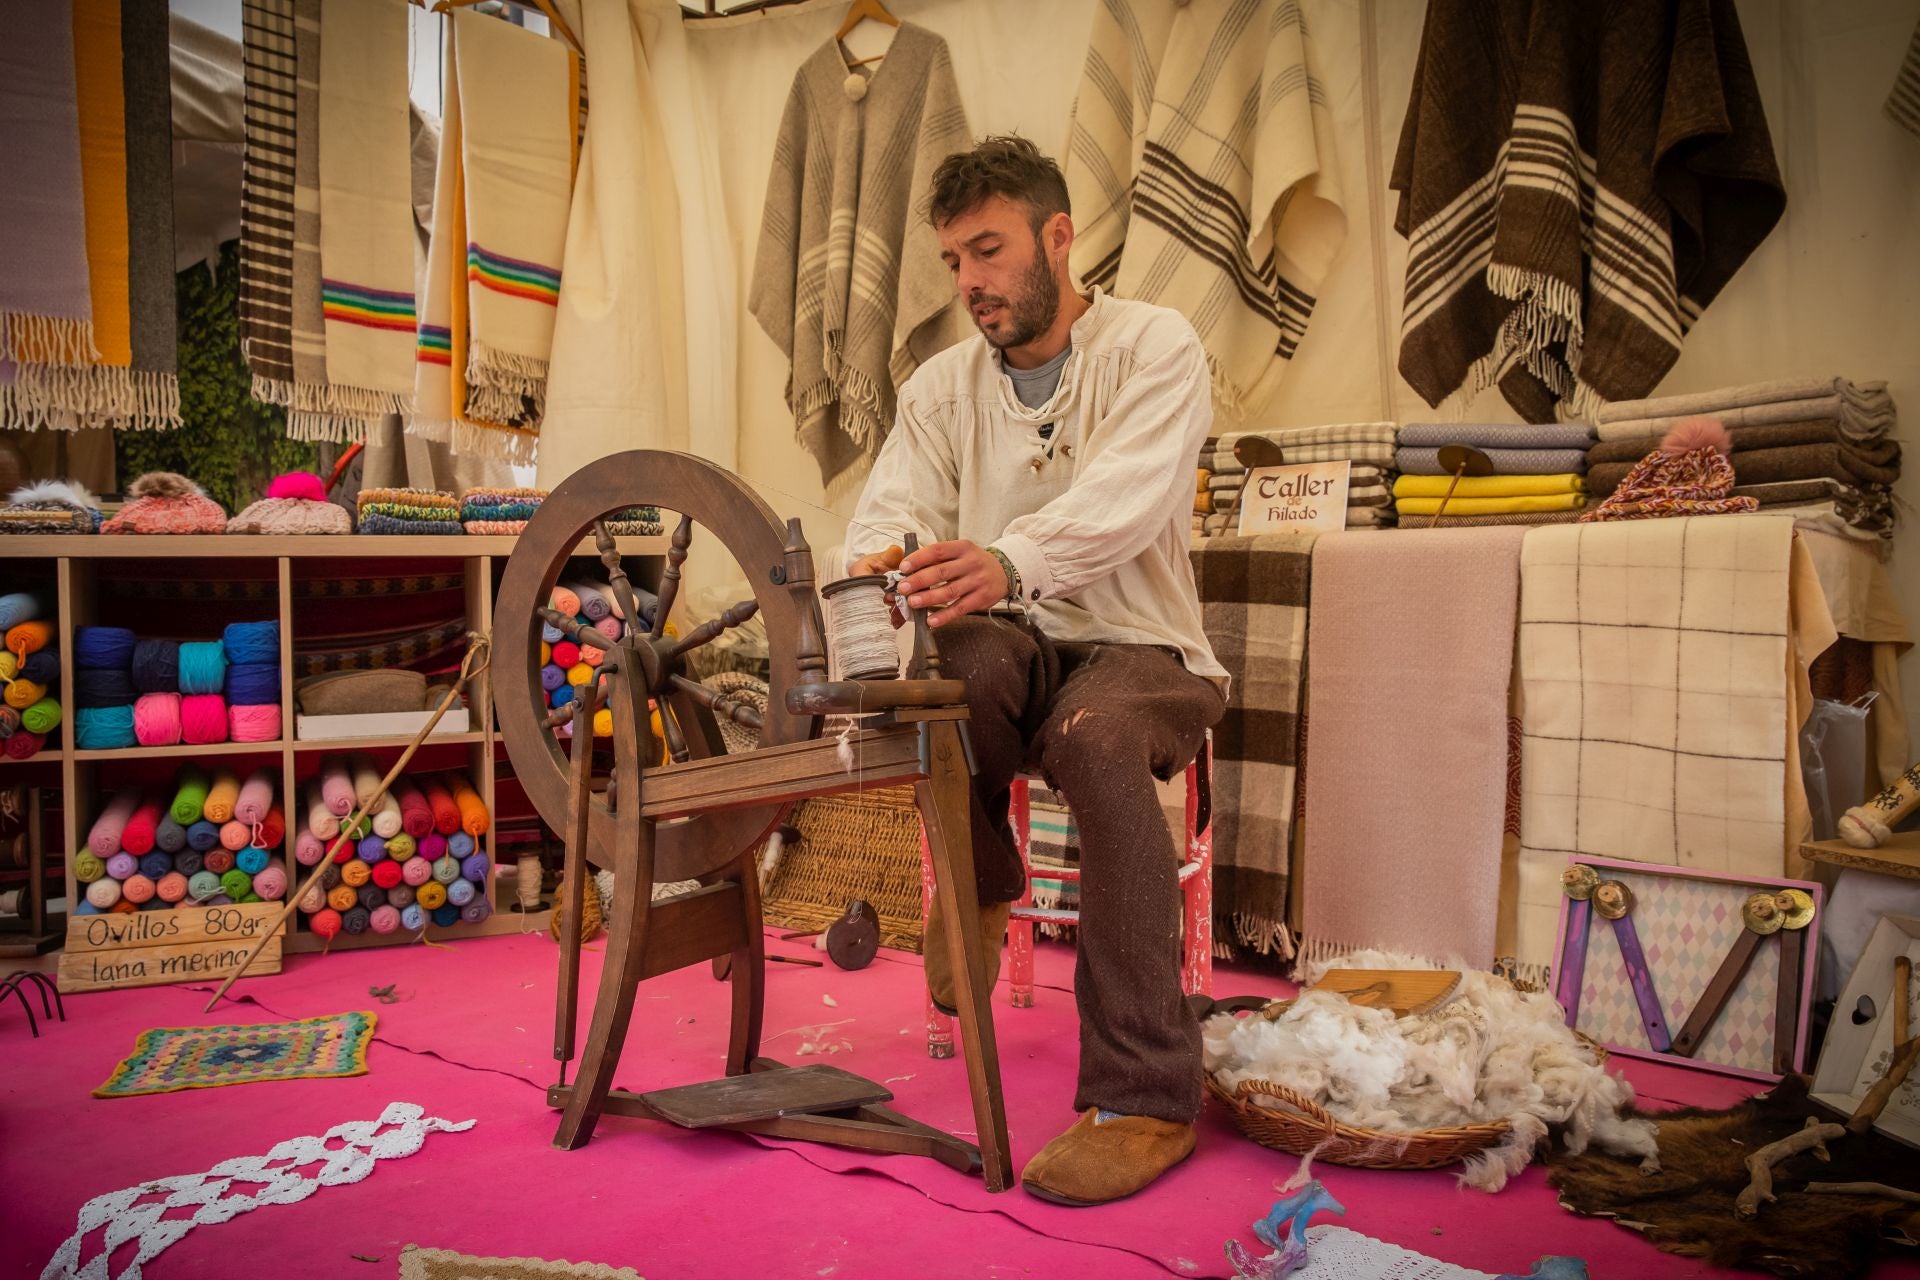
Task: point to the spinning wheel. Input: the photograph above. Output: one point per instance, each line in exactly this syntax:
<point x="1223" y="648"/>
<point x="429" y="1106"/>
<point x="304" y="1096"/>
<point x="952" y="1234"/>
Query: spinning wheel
<point x="704" y="815"/>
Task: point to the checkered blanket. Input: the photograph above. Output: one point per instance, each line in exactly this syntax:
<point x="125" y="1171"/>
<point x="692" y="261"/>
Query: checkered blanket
<point x="1654" y="657"/>
<point x="1253" y="599"/>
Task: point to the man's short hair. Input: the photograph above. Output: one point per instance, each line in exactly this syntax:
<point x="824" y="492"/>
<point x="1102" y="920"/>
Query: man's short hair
<point x="999" y="166"/>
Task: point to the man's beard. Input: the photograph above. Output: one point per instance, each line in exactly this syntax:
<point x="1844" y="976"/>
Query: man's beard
<point x="1031" y="311"/>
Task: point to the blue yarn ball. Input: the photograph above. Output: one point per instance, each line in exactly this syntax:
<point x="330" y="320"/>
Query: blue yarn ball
<point x="202" y="836"/>
<point x="17" y="607"/>
<point x="445" y="914"/>
<point x="102" y="687"/>
<point x="170" y="835"/>
<point x="251" y="860"/>
<point x="253" y="684"/>
<point x="371" y="849"/>
<point x="550" y="633"/>
<point x="156" y="864"/>
<point x="413" y="916"/>
<point x="188" y="862"/>
<point x="203" y="667"/>
<point x="107" y="647"/>
<point x="460" y="892"/>
<point x="85" y="908"/>
<point x="474" y="867"/>
<point x="252" y="641"/>
<point x="103" y="728"/>
<point x="42" y="666"/>
<point x="561" y="695"/>
<point x="156" y="666"/>
<point x="459" y="844"/>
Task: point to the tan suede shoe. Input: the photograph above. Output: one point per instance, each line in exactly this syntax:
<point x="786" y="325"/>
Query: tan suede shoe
<point x="933" y="950"/>
<point x="1093" y="1163"/>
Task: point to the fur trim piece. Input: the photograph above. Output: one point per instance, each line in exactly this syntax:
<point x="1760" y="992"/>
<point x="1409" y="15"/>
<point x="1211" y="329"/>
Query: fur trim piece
<point x="164" y="484"/>
<point x="1697" y="433"/>
<point x="70" y="491"/>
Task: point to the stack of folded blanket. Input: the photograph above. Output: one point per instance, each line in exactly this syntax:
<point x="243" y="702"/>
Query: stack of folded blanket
<point x="1537" y="473"/>
<point x="1367" y="445"/>
<point x="1202" y="500"/>
<point x="635" y="522"/>
<point x="489" y="510"/>
<point x="409" y="511"/>
<point x="1863" y="410"/>
<point x="1834" y="471"/>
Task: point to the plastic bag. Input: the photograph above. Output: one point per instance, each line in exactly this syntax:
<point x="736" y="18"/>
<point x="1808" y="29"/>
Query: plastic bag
<point x="1833" y="761"/>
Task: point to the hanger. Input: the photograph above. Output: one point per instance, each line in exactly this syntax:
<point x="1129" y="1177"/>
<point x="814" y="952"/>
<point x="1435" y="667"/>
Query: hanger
<point x="858" y="12"/>
<point x="546" y="7"/>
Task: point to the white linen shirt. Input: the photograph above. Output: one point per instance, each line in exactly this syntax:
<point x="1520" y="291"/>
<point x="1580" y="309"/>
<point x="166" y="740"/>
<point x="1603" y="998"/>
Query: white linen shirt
<point x="1096" y="520"/>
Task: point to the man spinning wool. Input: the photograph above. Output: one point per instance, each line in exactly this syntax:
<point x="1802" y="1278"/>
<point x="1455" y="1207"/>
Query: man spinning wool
<point x="1048" y="468"/>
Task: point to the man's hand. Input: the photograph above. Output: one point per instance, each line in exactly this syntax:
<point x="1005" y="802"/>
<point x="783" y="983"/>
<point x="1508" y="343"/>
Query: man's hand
<point x="956" y="578"/>
<point x="878" y="562"/>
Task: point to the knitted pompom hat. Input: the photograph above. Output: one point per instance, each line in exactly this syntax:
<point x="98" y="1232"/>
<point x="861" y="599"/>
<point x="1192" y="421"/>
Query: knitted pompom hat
<point x="167" y="502"/>
<point x="295" y="503"/>
<point x="1688" y="475"/>
<point x="51" y="506"/>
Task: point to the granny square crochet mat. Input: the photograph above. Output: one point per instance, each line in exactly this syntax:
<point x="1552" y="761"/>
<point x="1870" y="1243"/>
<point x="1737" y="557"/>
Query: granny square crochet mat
<point x="165" y="1059"/>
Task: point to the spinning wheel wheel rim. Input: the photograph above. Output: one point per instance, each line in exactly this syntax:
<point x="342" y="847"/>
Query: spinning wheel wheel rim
<point x="727" y="514"/>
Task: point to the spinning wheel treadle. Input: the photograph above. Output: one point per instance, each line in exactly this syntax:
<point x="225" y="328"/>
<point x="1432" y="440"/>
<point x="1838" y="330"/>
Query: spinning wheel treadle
<point x="703" y="816"/>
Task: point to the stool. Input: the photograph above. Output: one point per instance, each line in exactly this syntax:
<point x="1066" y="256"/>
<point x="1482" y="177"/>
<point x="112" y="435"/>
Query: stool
<point x="1196" y="891"/>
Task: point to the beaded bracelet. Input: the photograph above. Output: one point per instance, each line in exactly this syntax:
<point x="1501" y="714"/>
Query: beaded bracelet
<point x="1013" y="574"/>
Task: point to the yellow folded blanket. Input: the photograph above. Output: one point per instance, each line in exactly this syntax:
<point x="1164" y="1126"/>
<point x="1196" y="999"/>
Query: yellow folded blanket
<point x="1488" y="486"/>
<point x="1493" y="506"/>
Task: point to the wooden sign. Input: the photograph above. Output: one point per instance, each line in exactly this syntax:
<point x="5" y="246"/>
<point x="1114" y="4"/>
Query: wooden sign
<point x="151" y="948"/>
<point x="1306" y="495"/>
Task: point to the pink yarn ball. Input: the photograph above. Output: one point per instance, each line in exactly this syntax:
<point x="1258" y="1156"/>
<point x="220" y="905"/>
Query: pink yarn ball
<point x="260" y="723"/>
<point x="156" y="719"/>
<point x="384" y="920"/>
<point x="235" y="835"/>
<point x="137" y="889"/>
<point x="298" y="484"/>
<point x="271" y="883"/>
<point x="203" y="718"/>
<point x="308" y="848"/>
<point x="416" y="871"/>
<point x="313" y="900"/>
<point x="171" y="887"/>
<point x="609" y="627"/>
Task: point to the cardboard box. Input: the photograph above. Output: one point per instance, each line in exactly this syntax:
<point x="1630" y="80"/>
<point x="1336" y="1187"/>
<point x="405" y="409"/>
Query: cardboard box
<point x="1857" y="1055"/>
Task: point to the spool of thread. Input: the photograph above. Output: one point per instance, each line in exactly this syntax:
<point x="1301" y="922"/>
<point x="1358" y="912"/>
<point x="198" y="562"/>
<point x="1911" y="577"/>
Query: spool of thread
<point x="136" y="889"/>
<point x="343" y="897"/>
<point x="446" y="870"/>
<point x="416" y="815"/>
<point x="446" y="814"/>
<point x="252" y="861"/>
<point x="171" y="887"/>
<point x="271" y="833"/>
<point x="550" y="634"/>
<point x="254" y="723"/>
<point x="476" y="911"/>
<point x="103" y="893"/>
<point x="202" y="885"/>
<point x="122" y="865"/>
<point x="355" y="873"/>
<point x="371" y="896"/>
<point x="203" y="667"/>
<point x="563" y="695"/>
<point x="23" y="693"/>
<point x="460" y="892"/>
<point x="203" y="718"/>
<point x="156" y="719"/>
<point x="314" y="899"/>
<point x="103" y="728"/>
<point x="387" y="874"/>
<point x="474" y="867"/>
<point x="860" y="628"/>
<point x="17" y="607"/>
<point x="354" y="921"/>
<point x="156" y="864"/>
<point x="156" y="666"/>
<point x="190" y="795"/>
<point x="433" y="846"/>
<point x="188" y="863"/>
<point x="235" y="836"/>
<point x="102" y="687"/>
<point x="270" y="883"/>
<point x="203" y="836"/>
<point x="219" y="861"/>
<point x="460" y="845"/>
<point x="137" y="837"/>
<point x="325" y="924"/>
<point x="252" y="642"/>
<point x="308" y="848"/>
<point x="429" y="895"/>
<point x="446" y="914"/>
<point x="566" y="654"/>
<point x="336" y="786"/>
<point x="401" y="847"/>
<point x="552" y="678"/>
<point x="371" y="849"/>
<point x="401" y="896"/>
<point x="255" y="798"/>
<point x="236" y="884"/>
<point x="42" y="667"/>
<point x="330" y="877"/>
<point x="169" y="836"/>
<point x="88" y="866"/>
<point x="107" y="647"/>
<point x="578" y="674"/>
<point x="384" y="920"/>
<point x="386" y="818"/>
<point x="104" y="836"/>
<point x="253" y="684"/>
<point x="416" y="871"/>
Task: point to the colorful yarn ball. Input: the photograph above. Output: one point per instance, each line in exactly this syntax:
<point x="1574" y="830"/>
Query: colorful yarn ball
<point x="188" y="862"/>
<point x="345" y="851"/>
<point x="593" y="656"/>
<point x="203" y="836"/>
<point x="330" y="875"/>
<point x="446" y="870"/>
<point x="603" y="723"/>
<point x="564" y="601"/>
<point x="107" y="647"/>
<point x="553" y="678"/>
<point x="355" y="921"/>
<point x="156" y="719"/>
<point x="416" y="871"/>
<point x="476" y="911"/>
<point x="156" y="864"/>
<point x="546" y="653"/>
<point x="429" y="895"/>
<point x="86" y="909"/>
<point x="156" y="666"/>
<point x="171" y="887"/>
<point x="202" y="885"/>
<point x="99" y="687"/>
<point x="203" y="667"/>
<point x="609" y="626"/>
<point x="270" y="883"/>
<point x="401" y="895"/>
<point x="235" y="835"/>
<point x="256" y="642"/>
<point x="433" y="846"/>
<point x="370" y="896"/>
<point x="307" y="848"/>
<point x="413" y="918"/>
<point x="371" y="849"/>
<point x="219" y="861"/>
<point x="446" y="914"/>
<point x="236" y="884"/>
<point x="252" y="861"/>
<point x="384" y="919"/>
<point x="103" y="728"/>
<point x="460" y="892"/>
<point x="170" y="835"/>
<point x="254" y="722"/>
<point x="401" y="847"/>
<point x="579" y="673"/>
<point x="550" y="634"/>
<point x="387" y="874"/>
<point x="313" y="900"/>
<point x="122" y="865"/>
<point x="137" y="889"/>
<point x="566" y="654"/>
<point x="342" y="897"/>
<point x="123" y="907"/>
<point x="474" y="867"/>
<point x="460" y="844"/>
<point x="104" y="892"/>
<point x="203" y="718"/>
<point x="88" y="867"/>
<point x="562" y="694"/>
<point x="253" y="683"/>
<point x="325" y="924"/>
<point x="273" y="828"/>
<point x="355" y="873"/>
<point x="218" y="900"/>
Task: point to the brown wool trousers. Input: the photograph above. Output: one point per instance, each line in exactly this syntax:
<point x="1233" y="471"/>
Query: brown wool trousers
<point x="1100" y="723"/>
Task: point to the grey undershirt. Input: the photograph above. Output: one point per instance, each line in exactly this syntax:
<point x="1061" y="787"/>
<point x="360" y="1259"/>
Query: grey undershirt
<point x="1034" y="387"/>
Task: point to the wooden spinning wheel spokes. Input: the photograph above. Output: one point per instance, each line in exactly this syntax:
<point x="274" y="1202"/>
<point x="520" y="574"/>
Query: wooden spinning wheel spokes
<point x="744" y="526"/>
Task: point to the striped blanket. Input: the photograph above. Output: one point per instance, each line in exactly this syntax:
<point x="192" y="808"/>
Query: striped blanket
<point x="1569" y="217"/>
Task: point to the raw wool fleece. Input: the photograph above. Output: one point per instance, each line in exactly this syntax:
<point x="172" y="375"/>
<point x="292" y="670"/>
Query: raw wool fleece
<point x="1202" y="176"/>
<point x="1490" y="1053"/>
<point x="848" y="278"/>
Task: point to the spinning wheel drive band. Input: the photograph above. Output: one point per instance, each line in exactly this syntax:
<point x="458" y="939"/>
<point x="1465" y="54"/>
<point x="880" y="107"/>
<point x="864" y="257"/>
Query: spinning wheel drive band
<point x="730" y="518"/>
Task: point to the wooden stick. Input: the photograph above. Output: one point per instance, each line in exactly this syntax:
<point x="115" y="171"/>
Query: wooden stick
<point x="1906" y="1052"/>
<point x="1903" y="997"/>
<point x="1880" y="1189"/>
<point x="1760" y="1164"/>
<point x="479" y="651"/>
<point x="1441" y="510"/>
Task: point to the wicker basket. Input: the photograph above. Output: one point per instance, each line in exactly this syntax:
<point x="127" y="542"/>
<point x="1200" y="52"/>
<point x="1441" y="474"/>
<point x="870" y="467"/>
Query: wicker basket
<point x="855" y="845"/>
<point x="1306" y="1126"/>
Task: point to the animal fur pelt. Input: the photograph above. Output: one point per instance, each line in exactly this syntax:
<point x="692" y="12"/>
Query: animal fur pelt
<point x="44" y="494"/>
<point x="1489" y="1053"/>
<point x="1687" y="1207"/>
<point x="164" y="484"/>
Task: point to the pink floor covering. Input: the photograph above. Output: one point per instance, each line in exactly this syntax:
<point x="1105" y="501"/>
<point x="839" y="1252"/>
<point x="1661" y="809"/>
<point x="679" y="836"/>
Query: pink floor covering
<point x="470" y="1039"/>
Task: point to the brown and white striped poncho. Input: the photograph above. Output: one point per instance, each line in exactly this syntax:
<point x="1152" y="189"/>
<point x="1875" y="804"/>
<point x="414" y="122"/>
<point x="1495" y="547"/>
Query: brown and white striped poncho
<point x="1577" y="182"/>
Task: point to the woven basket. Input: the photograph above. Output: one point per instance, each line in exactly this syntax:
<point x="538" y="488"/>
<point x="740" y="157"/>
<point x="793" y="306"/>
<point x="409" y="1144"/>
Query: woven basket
<point x="857" y="845"/>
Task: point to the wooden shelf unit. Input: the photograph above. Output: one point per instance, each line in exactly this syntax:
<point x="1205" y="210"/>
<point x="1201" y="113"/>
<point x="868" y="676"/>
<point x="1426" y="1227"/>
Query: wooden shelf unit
<point x="88" y="777"/>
